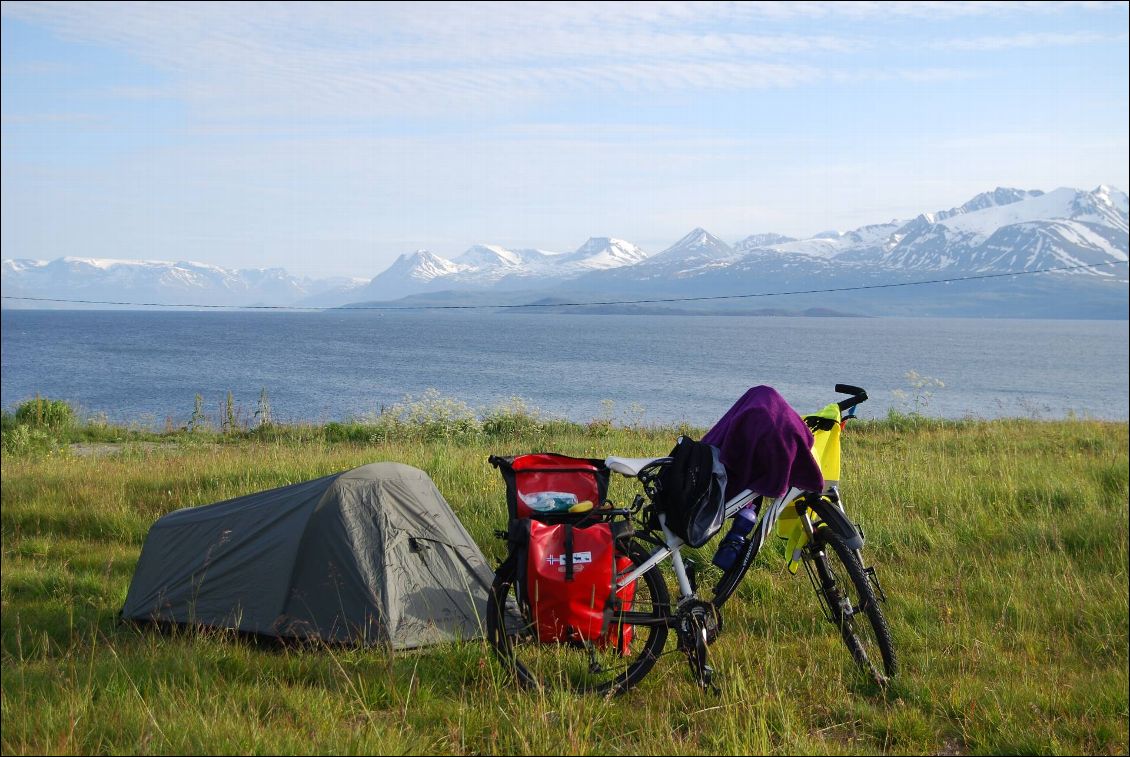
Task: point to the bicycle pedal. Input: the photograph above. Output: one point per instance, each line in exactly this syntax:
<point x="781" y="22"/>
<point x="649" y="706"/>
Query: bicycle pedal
<point x="706" y="680"/>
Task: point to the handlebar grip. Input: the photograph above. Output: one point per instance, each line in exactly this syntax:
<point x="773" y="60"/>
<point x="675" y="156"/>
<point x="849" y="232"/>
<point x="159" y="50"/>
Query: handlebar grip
<point x="858" y="396"/>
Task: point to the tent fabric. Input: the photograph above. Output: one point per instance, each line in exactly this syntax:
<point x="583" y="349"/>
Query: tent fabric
<point x="765" y="445"/>
<point x="371" y="556"/>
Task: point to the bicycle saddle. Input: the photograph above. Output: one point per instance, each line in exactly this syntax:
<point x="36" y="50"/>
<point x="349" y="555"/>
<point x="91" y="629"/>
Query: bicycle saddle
<point x="630" y="466"/>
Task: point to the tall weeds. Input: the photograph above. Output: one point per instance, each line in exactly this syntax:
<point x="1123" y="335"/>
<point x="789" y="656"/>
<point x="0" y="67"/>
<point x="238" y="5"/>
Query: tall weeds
<point x="1001" y="544"/>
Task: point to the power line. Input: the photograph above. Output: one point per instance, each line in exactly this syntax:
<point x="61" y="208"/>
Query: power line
<point x="650" y="301"/>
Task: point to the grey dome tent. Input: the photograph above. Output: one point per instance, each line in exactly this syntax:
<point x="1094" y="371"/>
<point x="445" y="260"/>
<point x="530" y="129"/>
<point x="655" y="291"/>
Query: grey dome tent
<point x="373" y="555"/>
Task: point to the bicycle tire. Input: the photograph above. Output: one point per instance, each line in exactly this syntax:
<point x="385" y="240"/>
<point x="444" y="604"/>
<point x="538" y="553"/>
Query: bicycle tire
<point x="538" y="665"/>
<point x="732" y="576"/>
<point x="852" y="606"/>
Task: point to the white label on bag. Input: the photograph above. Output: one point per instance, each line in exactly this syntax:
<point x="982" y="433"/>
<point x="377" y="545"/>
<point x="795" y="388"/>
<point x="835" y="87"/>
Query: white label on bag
<point x="579" y="558"/>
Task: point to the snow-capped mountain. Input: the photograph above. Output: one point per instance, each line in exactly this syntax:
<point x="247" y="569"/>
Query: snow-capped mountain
<point x="760" y="241"/>
<point x="178" y="283"/>
<point x="602" y="253"/>
<point x="409" y="274"/>
<point x="699" y="247"/>
<point x="995" y="232"/>
<point x="1008" y="230"/>
<point x="423" y="266"/>
<point x="1004" y="230"/>
<point x="485" y="266"/>
<point x="481" y="256"/>
<point x="832" y="244"/>
<point x="999" y="196"/>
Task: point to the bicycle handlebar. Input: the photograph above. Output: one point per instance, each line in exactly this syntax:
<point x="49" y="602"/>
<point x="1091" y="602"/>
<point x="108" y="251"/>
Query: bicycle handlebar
<point x="858" y="396"/>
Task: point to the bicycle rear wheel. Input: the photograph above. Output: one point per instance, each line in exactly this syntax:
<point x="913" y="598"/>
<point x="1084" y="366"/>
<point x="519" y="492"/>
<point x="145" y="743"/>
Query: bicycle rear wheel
<point x="851" y="605"/>
<point x="584" y="667"/>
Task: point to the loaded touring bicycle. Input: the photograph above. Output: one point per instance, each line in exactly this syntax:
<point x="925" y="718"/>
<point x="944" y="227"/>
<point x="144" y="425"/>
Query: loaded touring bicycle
<point x="582" y="599"/>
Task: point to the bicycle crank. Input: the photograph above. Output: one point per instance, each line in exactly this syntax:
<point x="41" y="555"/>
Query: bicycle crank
<point x="699" y="624"/>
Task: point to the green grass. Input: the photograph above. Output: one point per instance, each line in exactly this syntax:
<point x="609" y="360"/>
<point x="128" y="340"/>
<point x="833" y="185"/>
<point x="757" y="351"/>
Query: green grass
<point x="1002" y="546"/>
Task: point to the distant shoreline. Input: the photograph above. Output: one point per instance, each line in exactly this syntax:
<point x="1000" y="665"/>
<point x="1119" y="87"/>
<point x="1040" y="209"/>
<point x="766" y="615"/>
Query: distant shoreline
<point x="559" y="310"/>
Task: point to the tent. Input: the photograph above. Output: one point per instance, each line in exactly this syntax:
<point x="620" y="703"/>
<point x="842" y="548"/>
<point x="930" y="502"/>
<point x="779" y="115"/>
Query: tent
<point x="373" y="555"/>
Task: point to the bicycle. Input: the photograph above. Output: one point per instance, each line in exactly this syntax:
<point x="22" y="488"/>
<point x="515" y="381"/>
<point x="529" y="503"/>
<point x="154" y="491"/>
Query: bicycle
<point x="821" y="537"/>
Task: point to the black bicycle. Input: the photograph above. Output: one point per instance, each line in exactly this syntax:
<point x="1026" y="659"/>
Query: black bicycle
<point x="821" y="536"/>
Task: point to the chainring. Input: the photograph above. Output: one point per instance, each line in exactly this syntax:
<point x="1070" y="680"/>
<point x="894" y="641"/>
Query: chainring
<point x="709" y="619"/>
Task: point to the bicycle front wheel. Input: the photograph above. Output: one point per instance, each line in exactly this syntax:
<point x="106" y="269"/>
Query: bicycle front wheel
<point x="851" y="605"/>
<point x="589" y="667"/>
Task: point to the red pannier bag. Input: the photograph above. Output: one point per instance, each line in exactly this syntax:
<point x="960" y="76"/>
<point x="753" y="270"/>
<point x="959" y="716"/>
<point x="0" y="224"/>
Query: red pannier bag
<point x="569" y="584"/>
<point x="567" y="561"/>
<point x="534" y="479"/>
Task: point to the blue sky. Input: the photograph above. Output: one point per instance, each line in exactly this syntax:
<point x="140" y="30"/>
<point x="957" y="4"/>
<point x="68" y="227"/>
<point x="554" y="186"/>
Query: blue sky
<point x="330" y="138"/>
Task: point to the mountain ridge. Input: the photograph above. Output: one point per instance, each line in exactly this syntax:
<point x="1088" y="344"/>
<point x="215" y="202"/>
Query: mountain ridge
<point x="1005" y="229"/>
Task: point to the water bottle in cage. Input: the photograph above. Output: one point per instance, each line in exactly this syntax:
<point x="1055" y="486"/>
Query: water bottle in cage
<point x="731" y="545"/>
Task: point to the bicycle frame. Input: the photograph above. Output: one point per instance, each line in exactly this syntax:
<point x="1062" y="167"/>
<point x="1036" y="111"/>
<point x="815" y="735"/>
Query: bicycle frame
<point x="827" y="505"/>
<point x="674" y="544"/>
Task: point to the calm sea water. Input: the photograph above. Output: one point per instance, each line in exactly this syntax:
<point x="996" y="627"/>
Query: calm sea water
<point x="147" y="366"/>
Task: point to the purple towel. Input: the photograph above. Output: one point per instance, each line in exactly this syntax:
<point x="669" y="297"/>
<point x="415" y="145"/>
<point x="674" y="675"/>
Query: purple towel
<point x="765" y="446"/>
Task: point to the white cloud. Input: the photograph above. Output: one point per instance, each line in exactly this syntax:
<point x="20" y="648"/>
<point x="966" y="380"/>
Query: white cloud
<point x="384" y="127"/>
<point x="1028" y="40"/>
<point x="359" y="59"/>
<point x="236" y="61"/>
<point x="365" y="59"/>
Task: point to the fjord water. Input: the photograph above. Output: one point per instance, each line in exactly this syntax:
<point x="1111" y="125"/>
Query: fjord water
<point x="146" y="367"/>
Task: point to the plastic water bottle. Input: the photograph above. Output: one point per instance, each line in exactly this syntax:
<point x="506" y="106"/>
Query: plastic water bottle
<point x="734" y="541"/>
<point x="547" y="502"/>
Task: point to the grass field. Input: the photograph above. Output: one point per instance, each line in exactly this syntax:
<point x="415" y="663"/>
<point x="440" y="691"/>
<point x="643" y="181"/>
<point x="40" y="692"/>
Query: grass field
<point x="1002" y="546"/>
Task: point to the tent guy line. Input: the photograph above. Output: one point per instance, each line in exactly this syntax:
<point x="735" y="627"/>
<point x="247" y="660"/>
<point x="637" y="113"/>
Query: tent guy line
<point x="650" y="301"/>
